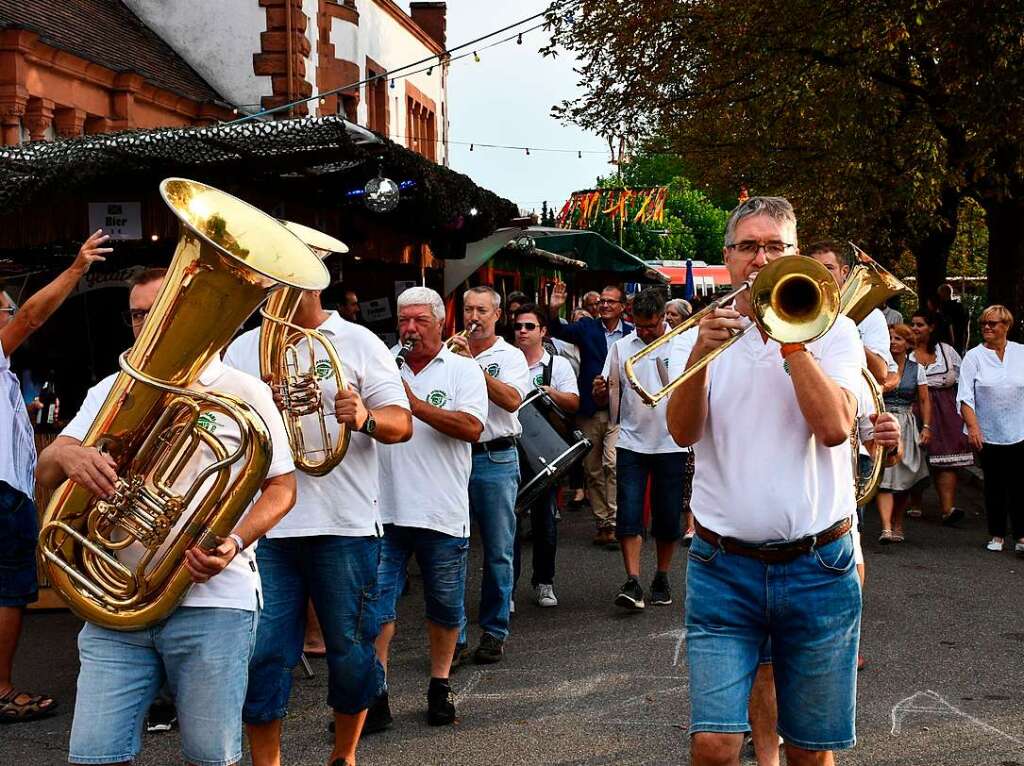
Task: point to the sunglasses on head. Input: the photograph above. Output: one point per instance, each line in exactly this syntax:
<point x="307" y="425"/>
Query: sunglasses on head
<point x="528" y="326"/>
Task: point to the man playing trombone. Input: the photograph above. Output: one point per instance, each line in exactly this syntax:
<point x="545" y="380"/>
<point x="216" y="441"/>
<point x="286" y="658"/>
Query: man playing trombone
<point x="773" y="557"/>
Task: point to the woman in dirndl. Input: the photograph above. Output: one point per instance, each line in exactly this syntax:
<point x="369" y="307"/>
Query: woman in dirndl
<point x="910" y="389"/>
<point x="948" y="448"/>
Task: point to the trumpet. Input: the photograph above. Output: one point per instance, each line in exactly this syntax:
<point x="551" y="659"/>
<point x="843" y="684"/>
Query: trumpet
<point x="792" y="299"/>
<point x="288" y="356"/>
<point x="470" y="329"/>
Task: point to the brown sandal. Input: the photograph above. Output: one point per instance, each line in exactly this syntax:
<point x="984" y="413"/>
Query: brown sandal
<point x="37" y="706"/>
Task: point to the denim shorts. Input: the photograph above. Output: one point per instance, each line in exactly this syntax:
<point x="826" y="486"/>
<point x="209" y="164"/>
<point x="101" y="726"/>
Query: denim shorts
<point x="442" y="562"/>
<point x="201" y="652"/>
<point x="340" y="575"/>
<point x="19" y="532"/>
<point x="808" y="608"/>
<point x="667" y="472"/>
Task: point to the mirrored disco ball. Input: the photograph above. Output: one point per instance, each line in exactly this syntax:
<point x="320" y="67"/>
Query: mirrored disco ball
<point x="382" y="194"/>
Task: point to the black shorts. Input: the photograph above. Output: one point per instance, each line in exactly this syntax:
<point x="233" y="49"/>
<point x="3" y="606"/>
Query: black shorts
<point x="19" y="530"/>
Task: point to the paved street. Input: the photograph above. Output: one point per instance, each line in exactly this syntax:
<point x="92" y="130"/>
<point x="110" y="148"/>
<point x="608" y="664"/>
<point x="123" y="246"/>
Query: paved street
<point x="587" y="684"/>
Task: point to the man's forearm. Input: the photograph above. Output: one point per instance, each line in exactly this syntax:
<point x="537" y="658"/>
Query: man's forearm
<point x="826" y="407"/>
<point x="457" y="425"/>
<point x="505" y="396"/>
<point x="688" y="408"/>
<point x="567" y="402"/>
<point x="276" y="499"/>
<point x="49" y="471"/>
<point x="394" y="424"/>
<point x="37" y="309"/>
<point x="877" y="367"/>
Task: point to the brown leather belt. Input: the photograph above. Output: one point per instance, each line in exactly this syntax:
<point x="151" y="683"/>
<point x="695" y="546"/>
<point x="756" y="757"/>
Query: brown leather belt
<point x="775" y="553"/>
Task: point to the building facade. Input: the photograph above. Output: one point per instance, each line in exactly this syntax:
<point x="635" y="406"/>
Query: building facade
<point x="93" y="66"/>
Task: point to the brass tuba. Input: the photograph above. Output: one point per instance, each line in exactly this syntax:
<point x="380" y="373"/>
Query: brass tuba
<point x="229" y="257"/>
<point x="288" y="357"/>
<point x="867" y="287"/>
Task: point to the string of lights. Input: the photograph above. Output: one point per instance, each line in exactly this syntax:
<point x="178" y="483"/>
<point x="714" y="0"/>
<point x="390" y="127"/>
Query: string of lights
<point x="515" y="147"/>
<point x="427" y="64"/>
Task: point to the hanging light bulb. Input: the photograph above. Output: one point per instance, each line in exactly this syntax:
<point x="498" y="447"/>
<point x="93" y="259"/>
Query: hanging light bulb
<point x="471" y="147"/>
<point x="392" y="83"/>
<point x="476" y="57"/>
<point x="519" y="40"/>
<point x="527" y="151"/>
<point x="579" y="155"/>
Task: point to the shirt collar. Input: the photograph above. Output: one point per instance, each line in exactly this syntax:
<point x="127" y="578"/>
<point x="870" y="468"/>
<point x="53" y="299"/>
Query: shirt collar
<point x="333" y="324"/>
<point x="618" y="328"/>
<point x="211" y="372"/>
<point x="545" y="357"/>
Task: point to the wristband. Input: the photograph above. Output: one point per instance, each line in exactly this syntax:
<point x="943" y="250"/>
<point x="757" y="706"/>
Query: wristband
<point x="926" y="426"/>
<point x="238" y="541"/>
<point x="791" y="348"/>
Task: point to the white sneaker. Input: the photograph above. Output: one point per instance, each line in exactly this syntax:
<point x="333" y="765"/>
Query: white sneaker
<point x="995" y="544"/>
<point x="545" y="595"/>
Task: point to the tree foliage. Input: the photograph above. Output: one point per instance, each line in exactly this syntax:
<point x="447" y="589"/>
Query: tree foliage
<point x="876" y="118"/>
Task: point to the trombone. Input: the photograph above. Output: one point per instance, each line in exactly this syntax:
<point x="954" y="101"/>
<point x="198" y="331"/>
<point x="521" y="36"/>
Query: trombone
<point x="793" y="299"/>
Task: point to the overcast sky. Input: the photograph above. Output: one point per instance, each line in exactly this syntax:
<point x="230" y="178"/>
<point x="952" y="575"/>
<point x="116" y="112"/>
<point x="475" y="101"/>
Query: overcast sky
<point x="507" y="99"/>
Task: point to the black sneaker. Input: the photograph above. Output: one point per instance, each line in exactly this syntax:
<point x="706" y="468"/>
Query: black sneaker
<point x="631" y="595"/>
<point x="440" y="703"/>
<point x="162" y="717"/>
<point x="378" y="717"/>
<point x="661" y="591"/>
<point x="461" y="657"/>
<point x="490" y="650"/>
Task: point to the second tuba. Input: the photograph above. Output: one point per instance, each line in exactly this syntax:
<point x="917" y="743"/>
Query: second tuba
<point x="288" y="358"/>
<point x="119" y="562"/>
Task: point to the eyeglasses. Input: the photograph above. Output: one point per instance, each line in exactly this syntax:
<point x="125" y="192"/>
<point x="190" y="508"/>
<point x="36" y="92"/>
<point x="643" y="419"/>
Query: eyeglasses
<point x="12" y="310"/>
<point x="991" y="323"/>
<point x="750" y="248"/>
<point x="133" y="317"/>
<point x="528" y="326"/>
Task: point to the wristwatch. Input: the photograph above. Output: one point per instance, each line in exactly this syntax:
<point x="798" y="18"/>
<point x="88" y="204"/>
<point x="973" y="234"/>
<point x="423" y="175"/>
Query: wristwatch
<point x="369" y="425"/>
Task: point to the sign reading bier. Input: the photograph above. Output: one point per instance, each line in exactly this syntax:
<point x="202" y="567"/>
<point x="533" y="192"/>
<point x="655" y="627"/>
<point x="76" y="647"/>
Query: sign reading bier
<point x="121" y="220"/>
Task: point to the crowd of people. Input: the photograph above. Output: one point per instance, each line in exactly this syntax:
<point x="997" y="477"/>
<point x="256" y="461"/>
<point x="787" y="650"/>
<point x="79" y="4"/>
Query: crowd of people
<point x="433" y="460"/>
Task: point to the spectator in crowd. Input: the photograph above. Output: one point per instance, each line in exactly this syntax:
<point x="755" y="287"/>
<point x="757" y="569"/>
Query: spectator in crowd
<point x="591" y="304"/>
<point x="349" y="308"/>
<point x="892" y="315"/>
<point x="676" y="311"/>
<point x="594" y="337"/>
<point x="991" y="399"/>
<point x="954" y="317"/>
<point x="911" y="388"/>
<point x="948" y="448"/>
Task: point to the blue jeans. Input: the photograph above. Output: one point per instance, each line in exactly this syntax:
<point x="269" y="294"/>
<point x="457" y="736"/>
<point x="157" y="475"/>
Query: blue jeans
<point x="19" y="532"/>
<point x="808" y="608"/>
<point x="493" y="486"/>
<point x="545" y="542"/>
<point x="667" y="472"/>
<point x="442" y="562"/>
<point x="201" y="652"/>
<point x="340" y="575"/>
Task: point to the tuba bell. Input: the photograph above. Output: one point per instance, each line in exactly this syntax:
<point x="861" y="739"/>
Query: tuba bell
<point x="288" y="357"/>
<point x="229" y="258"/>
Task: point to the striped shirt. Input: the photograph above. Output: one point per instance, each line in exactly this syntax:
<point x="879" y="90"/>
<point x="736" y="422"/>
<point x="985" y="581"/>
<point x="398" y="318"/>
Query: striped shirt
<point x="17" y="444"/>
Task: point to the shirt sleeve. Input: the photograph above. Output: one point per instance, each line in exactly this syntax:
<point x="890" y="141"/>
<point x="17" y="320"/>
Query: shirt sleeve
<point x="968" y="377"/>
<point x="842" y="357"/>
<point x="571" y="332"/>
<point x="382" y="381"/>
<point x="516" y="372"/>
<point x="80" y="424"/>
<point x="562" y="377"/>
<point x="679" y="353"/>
<point x="281" y="451"/>
<point x="874" y="332"/>
<point x="922" y="377"/>
<point x="471" y="392"/>
<point x="606" y="371"/>
<point x="954" y="358"/>
<point x="243" y="353"/>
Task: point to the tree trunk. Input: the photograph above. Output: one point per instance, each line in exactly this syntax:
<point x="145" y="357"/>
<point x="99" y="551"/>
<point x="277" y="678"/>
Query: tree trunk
<point x="931" y="251"/>
<point x="1005" y="220"/>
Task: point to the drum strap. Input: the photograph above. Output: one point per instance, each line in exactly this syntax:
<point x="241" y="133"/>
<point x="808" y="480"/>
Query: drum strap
<point x="547" y="370"/>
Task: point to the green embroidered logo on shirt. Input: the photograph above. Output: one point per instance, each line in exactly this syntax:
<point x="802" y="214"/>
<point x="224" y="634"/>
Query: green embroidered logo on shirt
<point x="538" y="380"/>
<point x="493" y="369"/>
<point x="207" y="421"/>
<point x="324" y="370"/>
<point x="437" y="398"/>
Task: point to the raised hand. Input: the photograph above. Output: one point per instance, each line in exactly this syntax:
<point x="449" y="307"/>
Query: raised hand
<point x="92" y="251"/>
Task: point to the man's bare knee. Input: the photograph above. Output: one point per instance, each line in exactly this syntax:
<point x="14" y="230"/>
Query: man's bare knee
<point x="797" y="756"/>
<point x="708" y="748"/>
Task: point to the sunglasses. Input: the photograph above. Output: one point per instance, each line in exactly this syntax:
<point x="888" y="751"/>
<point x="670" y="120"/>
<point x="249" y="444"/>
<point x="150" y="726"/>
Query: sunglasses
<point x="12" y="310"/>
<point x="528" y="326"/>
<point x="991" y="323"/>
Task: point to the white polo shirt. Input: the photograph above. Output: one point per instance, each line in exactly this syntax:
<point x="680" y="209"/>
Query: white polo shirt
<point x="425" y="481"/>
<point x="761" y="475"/>
<point x="238" y="586"/>
<point x="506" y="363"/>
<point x="562" y="377"/>
<point x="345" y="502"/>
<point x="17" y="442"/>
<point x="874" y="333"/>
<point x="641" y="428"/>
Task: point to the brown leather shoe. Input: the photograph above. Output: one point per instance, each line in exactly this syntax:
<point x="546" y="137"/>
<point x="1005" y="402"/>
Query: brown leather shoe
<point x="605" y="537"/>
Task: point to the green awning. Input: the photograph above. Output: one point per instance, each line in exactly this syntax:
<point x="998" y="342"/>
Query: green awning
<point x="597" y="252"/>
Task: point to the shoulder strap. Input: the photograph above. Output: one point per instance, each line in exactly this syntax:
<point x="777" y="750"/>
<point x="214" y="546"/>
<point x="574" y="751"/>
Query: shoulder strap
<point x="547" y="370"/>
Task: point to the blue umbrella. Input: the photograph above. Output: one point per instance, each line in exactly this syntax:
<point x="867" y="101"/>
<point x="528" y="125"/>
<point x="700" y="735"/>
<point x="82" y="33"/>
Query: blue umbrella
<point x="688" y="288"/>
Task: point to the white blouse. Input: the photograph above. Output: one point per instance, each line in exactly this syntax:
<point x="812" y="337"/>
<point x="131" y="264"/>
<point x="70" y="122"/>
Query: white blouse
<point x="994" y="389"/>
